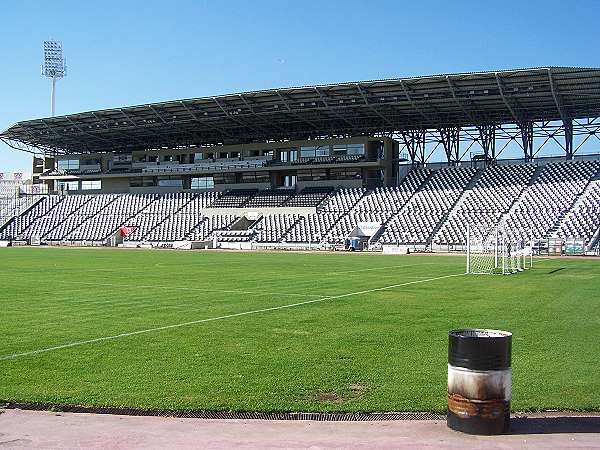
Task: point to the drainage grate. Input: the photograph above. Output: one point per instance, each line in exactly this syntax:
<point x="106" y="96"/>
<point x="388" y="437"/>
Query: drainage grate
<point x="329" y="417"/>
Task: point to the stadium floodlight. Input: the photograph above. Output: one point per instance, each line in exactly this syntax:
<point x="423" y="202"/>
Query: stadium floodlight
<point x="54" y="66"/>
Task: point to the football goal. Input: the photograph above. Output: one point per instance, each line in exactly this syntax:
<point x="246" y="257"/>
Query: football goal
<point x="496" y="250"/>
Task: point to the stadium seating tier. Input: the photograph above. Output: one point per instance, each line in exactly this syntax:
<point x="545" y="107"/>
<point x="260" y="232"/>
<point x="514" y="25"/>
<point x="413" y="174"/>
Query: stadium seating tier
<point x="428" y="207"/>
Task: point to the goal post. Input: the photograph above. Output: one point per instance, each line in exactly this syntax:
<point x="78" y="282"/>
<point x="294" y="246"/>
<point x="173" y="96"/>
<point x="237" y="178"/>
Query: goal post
<point x="496" y="250"/>
<point x="483" y="248"/>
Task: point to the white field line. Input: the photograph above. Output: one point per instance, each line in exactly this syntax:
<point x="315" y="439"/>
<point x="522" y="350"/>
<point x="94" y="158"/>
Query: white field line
<point x="181" y="288"/>
<point x="212" y="319"/>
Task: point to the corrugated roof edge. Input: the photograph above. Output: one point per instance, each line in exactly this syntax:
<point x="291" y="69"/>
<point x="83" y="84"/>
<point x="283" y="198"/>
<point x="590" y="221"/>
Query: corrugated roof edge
<point x="291" y="88"/>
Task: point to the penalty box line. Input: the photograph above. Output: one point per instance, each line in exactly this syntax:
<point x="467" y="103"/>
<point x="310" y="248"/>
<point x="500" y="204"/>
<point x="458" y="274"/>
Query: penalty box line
<point x="212" y="319"/>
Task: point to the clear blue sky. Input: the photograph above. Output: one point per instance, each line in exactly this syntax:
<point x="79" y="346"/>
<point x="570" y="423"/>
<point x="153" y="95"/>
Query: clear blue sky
<point x="130" y="52"/>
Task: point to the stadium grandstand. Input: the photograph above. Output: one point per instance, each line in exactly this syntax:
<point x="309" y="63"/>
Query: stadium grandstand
<point x="348" y="165"/>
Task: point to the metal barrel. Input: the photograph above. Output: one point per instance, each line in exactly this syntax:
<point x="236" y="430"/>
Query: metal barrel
<point x="479" y="381"/>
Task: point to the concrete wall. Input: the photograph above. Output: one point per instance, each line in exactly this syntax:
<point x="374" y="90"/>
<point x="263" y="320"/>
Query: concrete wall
<point x="224" y="187"/>
<point x="326" y="183"/>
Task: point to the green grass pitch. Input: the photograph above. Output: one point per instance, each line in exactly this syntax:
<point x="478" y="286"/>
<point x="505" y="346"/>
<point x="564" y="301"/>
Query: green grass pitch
<point x="356" y="347"/>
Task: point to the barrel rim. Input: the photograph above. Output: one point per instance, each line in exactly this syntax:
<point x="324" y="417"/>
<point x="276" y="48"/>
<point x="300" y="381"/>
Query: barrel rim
<point x="479" y="333"/>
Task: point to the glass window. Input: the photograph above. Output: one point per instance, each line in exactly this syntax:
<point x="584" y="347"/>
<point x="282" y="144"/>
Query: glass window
<point x="68" y="164"/>
<point x="310" y="152"/>
<point x="319" y="174"/>
<point x="170" y="182"/>
<point x="340" y="149"/>
<point x="248" y="177"/>
<point x="349" y="149"/>
<point x="141" y="182"/>
<point x="68" y="185"/>
<point x="224" y="178"/>
<point x="203" y="183"/>
<point x="172" y="158"/>
<point x="312" y="175"/>
<point x="345" y="174"/>
<point x="88" y="185"/>
<point x="289" y="180"/>
<point x="322" y="150"/>
<point x="307" y="152"/>
<point x="255" y="177"/>
<point x="356" y="149"/>
<point x="263" y="177"/>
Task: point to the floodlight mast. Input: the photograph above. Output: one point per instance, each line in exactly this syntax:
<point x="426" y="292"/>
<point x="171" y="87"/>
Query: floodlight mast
<point x="54" y="67"/>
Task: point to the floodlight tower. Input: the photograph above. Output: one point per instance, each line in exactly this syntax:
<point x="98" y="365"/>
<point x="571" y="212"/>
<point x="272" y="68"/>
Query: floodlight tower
<point x="54" y="66"/>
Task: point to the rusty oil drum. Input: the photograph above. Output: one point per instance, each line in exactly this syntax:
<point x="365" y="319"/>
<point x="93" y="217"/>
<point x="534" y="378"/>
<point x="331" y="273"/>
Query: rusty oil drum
<point x="479" y="381"/>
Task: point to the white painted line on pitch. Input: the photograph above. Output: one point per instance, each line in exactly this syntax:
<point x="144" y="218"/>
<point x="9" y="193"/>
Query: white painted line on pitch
<point x="212" y="319"/>
<point x="181" y="288"/>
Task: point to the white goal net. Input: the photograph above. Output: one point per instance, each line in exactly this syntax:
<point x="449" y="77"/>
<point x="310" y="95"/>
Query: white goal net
<point x="496" y="250"/>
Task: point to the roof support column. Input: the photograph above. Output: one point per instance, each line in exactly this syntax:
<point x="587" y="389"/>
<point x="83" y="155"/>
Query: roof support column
<point x="415" y="144"/>
<point x="487" y="136"/>
<point x="451" y="142"/>
<point x="568" y="126"/>
<point x="527" y="139"/>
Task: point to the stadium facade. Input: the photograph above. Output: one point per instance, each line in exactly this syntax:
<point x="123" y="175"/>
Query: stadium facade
<point x="327" y="160"/>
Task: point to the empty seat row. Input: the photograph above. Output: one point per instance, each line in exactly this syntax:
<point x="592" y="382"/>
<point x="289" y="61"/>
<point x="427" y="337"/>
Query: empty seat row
<point x="417" y="220"/>
<point x="272" y="227"/>
<point x="485" y="202"/>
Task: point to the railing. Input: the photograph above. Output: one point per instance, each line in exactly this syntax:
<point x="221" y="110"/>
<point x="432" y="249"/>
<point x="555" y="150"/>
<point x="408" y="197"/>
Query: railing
<point x="252" y="164"/>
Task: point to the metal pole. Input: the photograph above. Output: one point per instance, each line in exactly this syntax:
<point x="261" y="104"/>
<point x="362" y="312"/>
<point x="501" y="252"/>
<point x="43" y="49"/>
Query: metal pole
<point x="496" y="250"/>
<point x="503" y="255"/>
<point x="531" y="255"/>
<point x="53" y="99"/>
<point x="468" y="248"/>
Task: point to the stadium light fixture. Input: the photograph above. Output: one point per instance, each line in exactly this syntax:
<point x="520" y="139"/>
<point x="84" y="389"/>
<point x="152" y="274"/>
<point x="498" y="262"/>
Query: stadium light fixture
<point x="54" y="66"/>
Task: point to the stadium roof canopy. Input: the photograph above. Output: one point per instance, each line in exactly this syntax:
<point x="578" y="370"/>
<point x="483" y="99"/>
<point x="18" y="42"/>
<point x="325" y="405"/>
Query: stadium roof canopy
<point x="345" y="109"/>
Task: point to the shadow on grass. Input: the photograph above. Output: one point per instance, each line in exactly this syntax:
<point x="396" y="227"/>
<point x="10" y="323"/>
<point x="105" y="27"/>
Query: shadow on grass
<point x="554" y="425"/>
